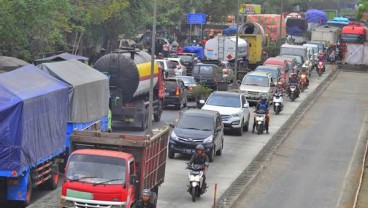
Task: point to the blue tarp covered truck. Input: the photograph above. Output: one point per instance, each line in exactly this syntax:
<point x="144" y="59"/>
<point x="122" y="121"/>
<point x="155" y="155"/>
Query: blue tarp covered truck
<point x="33" y="120"/>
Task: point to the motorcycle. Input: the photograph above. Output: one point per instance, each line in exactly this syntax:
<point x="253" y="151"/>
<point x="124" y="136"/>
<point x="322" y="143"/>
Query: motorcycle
<point x="320" y="68"/>
<point x="260" y="121"/>
<point x="303" y="82"/>
<point x="293" y="94"/>
<point x="277" y="103"/>
<point x="195" y="176"/>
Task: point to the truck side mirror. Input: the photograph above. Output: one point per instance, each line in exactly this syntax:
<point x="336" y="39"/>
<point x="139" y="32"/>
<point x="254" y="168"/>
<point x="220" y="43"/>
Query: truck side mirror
<point x="133" y="179"/>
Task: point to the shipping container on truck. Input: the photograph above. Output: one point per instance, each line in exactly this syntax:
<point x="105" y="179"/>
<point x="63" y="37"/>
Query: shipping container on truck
<point x="33" y="119"/>
<point x="89" y="96"/>
<point x="129" y="71"/>
<point x="111" y="169"/>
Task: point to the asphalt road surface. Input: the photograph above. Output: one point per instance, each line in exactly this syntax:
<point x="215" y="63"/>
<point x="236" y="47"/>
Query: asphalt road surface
<point x="310" y="167"/>
<point x="237" y="155"/>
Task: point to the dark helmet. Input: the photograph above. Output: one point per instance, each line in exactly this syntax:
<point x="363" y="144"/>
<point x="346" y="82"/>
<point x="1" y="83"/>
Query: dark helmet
<point x="264" y="98"/>
<point x="200" y="147"/>
<point x="146" y="192"/>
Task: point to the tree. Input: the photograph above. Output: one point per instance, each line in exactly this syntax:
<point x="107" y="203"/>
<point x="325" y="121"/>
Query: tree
<point x="362" y="8"/>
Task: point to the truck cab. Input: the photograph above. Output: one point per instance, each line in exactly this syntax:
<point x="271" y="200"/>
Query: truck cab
<point x="111" y="169"/>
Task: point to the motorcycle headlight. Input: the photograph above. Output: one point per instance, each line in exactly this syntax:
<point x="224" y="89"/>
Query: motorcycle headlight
<point x="173" y="136"/>
<point x="208" y="139"/>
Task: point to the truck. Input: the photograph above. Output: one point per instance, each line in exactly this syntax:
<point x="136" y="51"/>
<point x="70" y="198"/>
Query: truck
<point x="354" y="33"/>
<point x="111" y="169"/>
<point x="89" y="96"/>
<point x="297" y="50"/>
<point x="33" y="120"/>
<point x="129" y="70"/>
<point x="328" y="34"/>
<point x="296" y="28"/>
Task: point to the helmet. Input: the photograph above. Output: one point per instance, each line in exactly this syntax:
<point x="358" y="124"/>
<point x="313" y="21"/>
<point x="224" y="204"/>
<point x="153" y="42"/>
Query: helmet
<point x="146" y="192"/>
<point x="264" y="98"/>
<point x="200" y="147"/>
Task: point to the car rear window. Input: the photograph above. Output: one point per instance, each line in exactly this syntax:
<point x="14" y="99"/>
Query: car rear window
<point x="170" y="84"/>
<point x="203" y="69"/>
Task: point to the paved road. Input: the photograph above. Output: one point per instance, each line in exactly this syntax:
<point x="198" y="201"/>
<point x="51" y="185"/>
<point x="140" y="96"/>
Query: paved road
<point x="237" y="155"/>
<point x="310" y="167"/>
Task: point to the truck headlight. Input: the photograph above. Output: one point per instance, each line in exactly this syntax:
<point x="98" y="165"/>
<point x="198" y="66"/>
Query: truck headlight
<point x="173" y="136"/>
<point x="208" y="139"/>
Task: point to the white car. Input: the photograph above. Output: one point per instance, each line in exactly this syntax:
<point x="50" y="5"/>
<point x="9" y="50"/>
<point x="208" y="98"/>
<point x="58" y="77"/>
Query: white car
<point x="178" y="65"/>
<point x="233" y="108"/>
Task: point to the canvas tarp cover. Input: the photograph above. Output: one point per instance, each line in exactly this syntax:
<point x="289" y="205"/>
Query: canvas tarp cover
<point x="61" y="57"/>
<point x="270" y="24"/>
<point x="316" y="16"/>
<point x="33" y="117"/>
<point x="194" y="49"/>
<point x="89" y="89"/>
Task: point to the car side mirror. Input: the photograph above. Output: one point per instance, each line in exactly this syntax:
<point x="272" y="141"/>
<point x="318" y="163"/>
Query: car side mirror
<point x="133" y="179"/>
<point x="246" y="105"/>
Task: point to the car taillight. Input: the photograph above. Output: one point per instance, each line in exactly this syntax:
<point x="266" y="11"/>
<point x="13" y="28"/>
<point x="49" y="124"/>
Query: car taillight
<point x="190" y="88"/>
<point x="177" y="92"/>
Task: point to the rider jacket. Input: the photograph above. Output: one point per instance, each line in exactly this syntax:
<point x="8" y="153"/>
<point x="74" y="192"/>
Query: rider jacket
<point x="293" y="80"/>
<point x="200" y="159"/>
<point x="141" y="204"/>
<point x="279" y="90"/>
<point x="262" y="106"/>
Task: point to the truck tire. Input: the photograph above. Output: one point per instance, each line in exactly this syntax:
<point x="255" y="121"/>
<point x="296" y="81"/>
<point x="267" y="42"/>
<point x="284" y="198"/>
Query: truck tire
<point x="51" y="183"/>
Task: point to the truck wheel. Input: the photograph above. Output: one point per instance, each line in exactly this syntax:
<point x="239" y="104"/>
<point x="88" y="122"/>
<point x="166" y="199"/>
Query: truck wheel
<point x="171" y="154"/>
<point x="51" y="183"/>
<point x="29" y="193"/>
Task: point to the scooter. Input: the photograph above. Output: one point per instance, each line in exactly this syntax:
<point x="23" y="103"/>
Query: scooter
<point x="195" y="176"/>
<point x="320" y="68"/>
<point x="293" y="94"/>
<point x="260" y="121"/>
<point x="277" y="103"/>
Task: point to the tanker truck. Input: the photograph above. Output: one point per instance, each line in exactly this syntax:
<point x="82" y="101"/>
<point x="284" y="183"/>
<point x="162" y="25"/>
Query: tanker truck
<point x="129" y="73"/>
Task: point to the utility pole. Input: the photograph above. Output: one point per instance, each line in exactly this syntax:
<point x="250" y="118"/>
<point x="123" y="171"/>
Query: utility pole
<point x="236" y="45"/>
<point x="282" y="11"/>
<point x="153" y="46"/>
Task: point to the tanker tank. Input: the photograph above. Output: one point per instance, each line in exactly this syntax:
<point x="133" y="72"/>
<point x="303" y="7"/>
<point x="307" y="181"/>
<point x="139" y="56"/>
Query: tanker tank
<point x="128" y="70"/>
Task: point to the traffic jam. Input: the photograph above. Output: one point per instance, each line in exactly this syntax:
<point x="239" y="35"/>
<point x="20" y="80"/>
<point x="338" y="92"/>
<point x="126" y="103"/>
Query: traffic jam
<point x="96" y="143"/>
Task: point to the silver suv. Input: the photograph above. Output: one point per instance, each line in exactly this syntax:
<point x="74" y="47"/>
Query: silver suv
<point x="257" y="84"/>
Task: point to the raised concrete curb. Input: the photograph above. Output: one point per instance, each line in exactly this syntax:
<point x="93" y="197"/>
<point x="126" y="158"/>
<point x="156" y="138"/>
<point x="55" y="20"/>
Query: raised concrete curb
<point x="249" y="175"/>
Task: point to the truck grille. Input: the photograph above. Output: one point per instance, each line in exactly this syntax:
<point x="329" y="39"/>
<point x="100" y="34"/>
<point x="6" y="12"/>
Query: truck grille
<point x="225" y="117"/>
<point x="90" y="205"/>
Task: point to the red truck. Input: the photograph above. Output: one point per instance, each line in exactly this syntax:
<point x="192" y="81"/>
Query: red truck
<point x="111" y="169"/>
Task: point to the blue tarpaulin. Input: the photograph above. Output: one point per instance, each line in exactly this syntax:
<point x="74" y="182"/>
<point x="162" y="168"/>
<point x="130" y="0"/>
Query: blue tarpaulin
<point x="194" y="49"/>
<point x="229" y="31"/>
<point x="33" y="117"/>
<point x="315" y="16"/>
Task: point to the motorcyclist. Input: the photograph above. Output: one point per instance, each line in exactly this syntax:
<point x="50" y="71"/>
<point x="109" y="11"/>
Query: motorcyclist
<point x="145" y="202"/>
<point x="305" y="73"/>
<point x="200" y="158"/>
<point x="262" y="105"/>
<point x="294" y="81"/>
<point x="279" y="89"/>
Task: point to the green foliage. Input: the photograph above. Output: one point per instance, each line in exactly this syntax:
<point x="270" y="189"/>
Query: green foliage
<point x="201" y="92"/>
<point x="362" y="8"/>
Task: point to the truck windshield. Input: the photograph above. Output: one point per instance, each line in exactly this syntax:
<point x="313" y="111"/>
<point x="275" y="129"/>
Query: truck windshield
<point x="96" y="169"/>
<point x="253" y="80"/>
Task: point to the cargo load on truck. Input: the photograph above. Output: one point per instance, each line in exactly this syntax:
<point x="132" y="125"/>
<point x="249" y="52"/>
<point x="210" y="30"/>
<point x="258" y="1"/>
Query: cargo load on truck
<point x="327" y="34"/>
<point x="129" y="71"/>
<point x="315" y="18"/>
<point x="271" y="25"/>
<point x="62" y="57"/>
<point x="33" y="119"/>
<point x="297" y="29"/>
<point x="119" y="163"/>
